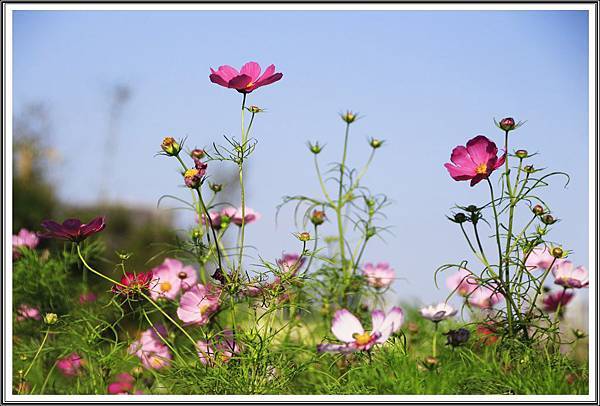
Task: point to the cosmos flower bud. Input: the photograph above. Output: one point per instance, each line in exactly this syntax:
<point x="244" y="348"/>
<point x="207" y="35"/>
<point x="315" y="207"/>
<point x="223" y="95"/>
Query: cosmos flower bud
<point x="196" y="234"/>
<point x="170" y="146"/>
<point x="304" y="236"/>
<point x="521" y="153"/>
<point x="529" y="169"/>
<point x="197" y="153"/>
<point x="375" y="143"/>
<point x="192" y="178"/>
<point x="548" y="219"/>
<point x="201" y="166"/>
<point x="579" y="333"/>
<point x="459" y="218"/>
<point x="318" y="217"/>
<point x="316" y="148"/>
<point x="557" y="252"/>
<point x="216" y="187"/>
<point x="254" y="109"/>
<point x="431" y="362"/>
<point x="507" y="124"/>
<point x="50" y="318"/>
<point x="137" y="372"/>
<point x="538" y="210"/>
<point x="472" y="208"/>
<point x="349" y="117"/>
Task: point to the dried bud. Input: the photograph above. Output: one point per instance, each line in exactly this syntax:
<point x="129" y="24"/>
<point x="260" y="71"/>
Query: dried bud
<point x="192" y="178"/>
<point x="304" y="236"/>
<point x="197" y="153"/>
<point x="521" y="153"/>
<point x="170" y="146"/>
<point x="316" y="148"/>
<point x="201" y="166"/>
<point x="349" y="117"/>
<point x="50" y="318"/>
<point x="254" y="109"/>
<point x="538" y="210"/>
<point x="375" y="143"/>
<point x="215" y="187"/>
<point x="557" y="252"/>
<point x="548" y="219"/>
<point x="507" y="124"/>
<point x="318" y="217"/>
<point x="457" y="337"/>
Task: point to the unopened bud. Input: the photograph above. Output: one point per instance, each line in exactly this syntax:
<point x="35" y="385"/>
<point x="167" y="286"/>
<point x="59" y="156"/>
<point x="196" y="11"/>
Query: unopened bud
<point x="254" y="109"/>
<point x="304" y="236"/>
<point x="315" y="148"/>
<point x="472" y="208"/>
<point x="197" y="153"/>
<point x="460" y="218"/>
<point x="579" y="333"/>
<point x="529" y="169"/>
<point x="216" y="187"/>
<point x="170" y="146"/>
<point x="538" y="210"/>
<point x="521" y="153"/>
<point x="50" y="318"/>
<point x="548" y="219"/>
<point x="349" y="117"/>
<point x="375" y="143"/>
<point x="137" y="372"/>
<point x="557" y="252"/>
<point x="507" y="124"/>
<point x="318" y="217"/>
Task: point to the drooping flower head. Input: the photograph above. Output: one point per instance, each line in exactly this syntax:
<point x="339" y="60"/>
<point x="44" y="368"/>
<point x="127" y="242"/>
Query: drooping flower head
<point x="462" y="282"/>
<point x="380" y="275"/>
<point x="290" y="263"/>
<point x="566" y="275"/>
<point x="131" y="283"/>
<point x="250" y="216"/>
<point x="474" y="162"/>
<point x="541" y="258"/>
<point x="170" y="278"/>
<point x="247" y="79"/>
<point x="198" y="304"/>
<point x="26" y="312"/>
<point x="72" y="229"/>
<point x="347" y="328"/>
<point x="24" y="239"/>
<point x="151" y="349"/>
<point x="70" y="365"/>
<point x="438" y="312"/>
<point x="484" y="297"/>
<point x="553" y="299"/>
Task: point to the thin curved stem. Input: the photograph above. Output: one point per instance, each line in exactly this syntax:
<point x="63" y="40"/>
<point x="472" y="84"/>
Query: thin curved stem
<point x="37" y="353"/>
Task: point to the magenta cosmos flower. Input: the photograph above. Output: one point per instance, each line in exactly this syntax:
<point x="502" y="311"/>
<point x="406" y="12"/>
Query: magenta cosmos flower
<point x="541" y="258"/>
<point x="438" y="312"/>
<point x="72" y="229"/>
<point x="380" y="275"/>
<point x="170" y="278"/>
<point x="250" y="216"/>
<point x="290" y="263"/>
<point x="553" y="299"/>
<point x="348" y="329"/>
<point x="247" y="79"/>
<point x="484" y="297"/>
<point x="198" y="304"/>
<point x="223" y="348"/>
<point x="132" y="282"/>
<point x="122" y="385"/>
<point x="151" y="349"/>
<point x="462" y="282"/>
<point x="26" y="312"/>
<point x="24" y="239"/>
<point x="70" y="365"/>
<point x="566" y="275"/>
<point x="474" y="162"/>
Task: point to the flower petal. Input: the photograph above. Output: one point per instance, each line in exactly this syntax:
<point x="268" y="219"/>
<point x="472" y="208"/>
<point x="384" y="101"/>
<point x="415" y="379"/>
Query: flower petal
<point x="345" y="325"/>
<point x="251" y="69"/>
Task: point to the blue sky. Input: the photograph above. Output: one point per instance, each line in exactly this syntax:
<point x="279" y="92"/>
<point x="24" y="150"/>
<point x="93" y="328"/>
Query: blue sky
<point x="424" y="81"/>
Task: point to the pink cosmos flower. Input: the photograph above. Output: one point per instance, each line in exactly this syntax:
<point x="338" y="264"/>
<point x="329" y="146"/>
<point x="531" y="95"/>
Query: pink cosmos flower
<point x="87" y="297"/>
<point x="198" y="304"/>
<point x="24" y="239"/>
<point x="484" y="298"/>
<point x="170" y="278"/>
<point x="72" y="229"/>
<point x="438" y="312"/>
<point x="462" y="282"/>
<point x="553" y="299"/>
<point x="122" y="385"/>
<point x="541" y="258"/>
<point x="132" y="282"/>
<point x="250" y="216"/>
<point x="151" y="350"/>
<point x="70" y="365"/>
<point x="380" y="275"/>
<point x="566" y="275"/>
<point x="223" y="348"/>
<point x="348" y="329"/>
<point x="215" y="219"/>
<point x="25" y="312"/>
<point x="474" y="162"/>
<point x="290" y="263"/>
<point x="247" y="79"/>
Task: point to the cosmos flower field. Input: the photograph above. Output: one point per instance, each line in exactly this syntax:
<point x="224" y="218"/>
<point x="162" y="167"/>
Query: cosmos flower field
<point x="211" y="317"/>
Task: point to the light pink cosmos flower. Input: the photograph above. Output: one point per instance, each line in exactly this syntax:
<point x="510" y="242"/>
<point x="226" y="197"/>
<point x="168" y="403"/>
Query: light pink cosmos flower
<point x="462" y="282"/>
<point x="24" y="239"/>
<point x="250" y="216"/>
<point x="438" y="312"/>
<point x="476" y="161"/>
<point x="151" y="350"/>
<point x="347" y="328"/>
<point x="215" y="219"/>
<point x="247" y="79"/>
<point x="380" y="275"/>
<point x="223" y="348"/>
<point x="566" y="275"/>
<point x="553" y="299"/>
<point x="25" y="312"/>
<point x="70" y="365"/>
<point x="541" y="258"/>
<point x="170" y="278"/>
<point x="290" y="263"/>
<point x="484" y="297"/>
<point x="198" y="304"/>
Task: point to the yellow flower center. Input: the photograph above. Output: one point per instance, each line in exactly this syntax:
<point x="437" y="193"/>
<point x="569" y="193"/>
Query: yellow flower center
<point x="190" y="173"/>
<point x="249" y="85"/>
<point x="362" y="339"/>
<point x="203" y="307"/>
<point x="481" y="169"/>
<point x="165" y="286"/>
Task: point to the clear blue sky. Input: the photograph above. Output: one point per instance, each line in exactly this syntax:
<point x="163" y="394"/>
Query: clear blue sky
<point x="424" y="81"/>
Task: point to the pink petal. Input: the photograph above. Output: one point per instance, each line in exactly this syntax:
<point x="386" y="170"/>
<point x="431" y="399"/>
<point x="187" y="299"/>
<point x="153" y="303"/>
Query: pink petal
<point x="345" y="325"/>
<point x="227" y="72"/>
<point x="481" y="149"/>
<point x="268" y="72"/>
<point x="459" y="173"/>
<point x="377" y="317"/>
<point x="240" y="82"/>
<point x="251" y="69"/>
<point x="215" y="78"/>
<point x="269" y="80"/>
<point x="461" y="157"/>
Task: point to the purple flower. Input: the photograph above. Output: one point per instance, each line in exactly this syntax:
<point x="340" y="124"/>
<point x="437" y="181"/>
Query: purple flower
<point x="553" y="299"/>
<point x="72" y="229"/>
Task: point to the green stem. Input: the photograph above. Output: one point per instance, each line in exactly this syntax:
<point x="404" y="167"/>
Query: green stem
<point x="434" y="340"/>
<point x="96" y="272"/>
<point x="540" y="287"/>
<point x="323" y="188"/>
<point x="310" y="261"/>
<point x="339" y="205"/>
<point x="242" y="190"/>
<point x="37" y="353"/>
